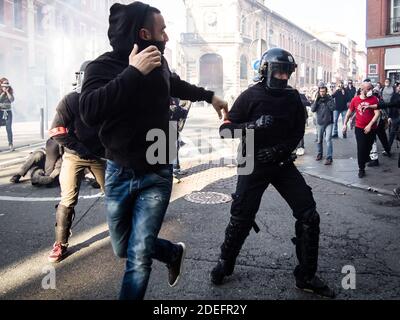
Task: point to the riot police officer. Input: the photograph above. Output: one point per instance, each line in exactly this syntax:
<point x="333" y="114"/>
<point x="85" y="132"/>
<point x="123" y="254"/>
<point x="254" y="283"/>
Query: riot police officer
<point x="275" y="112"/>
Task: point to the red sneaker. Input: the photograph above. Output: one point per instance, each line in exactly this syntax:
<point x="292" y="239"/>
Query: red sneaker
<point x="58" y="253"/>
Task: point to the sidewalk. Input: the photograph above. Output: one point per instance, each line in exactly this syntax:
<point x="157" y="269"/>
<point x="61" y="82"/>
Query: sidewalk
<point x="25" y="134"/>
<point x="344" y="171"/>
<point x="26" y="138"/>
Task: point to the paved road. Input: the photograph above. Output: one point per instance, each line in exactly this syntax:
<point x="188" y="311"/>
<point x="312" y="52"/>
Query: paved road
<point x="359" y="228"/>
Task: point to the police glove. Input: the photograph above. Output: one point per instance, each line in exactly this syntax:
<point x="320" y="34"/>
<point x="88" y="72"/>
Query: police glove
<point x="264" y="122"/>
<point x="269" y="155"/>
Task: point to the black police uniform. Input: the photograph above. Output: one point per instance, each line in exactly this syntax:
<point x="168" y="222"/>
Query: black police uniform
<point x="274" y="144"/>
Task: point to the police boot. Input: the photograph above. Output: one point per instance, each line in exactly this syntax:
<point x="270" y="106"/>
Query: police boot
<point x="224" y="268"/>
<point x="64" y="218"/>
<point x="307" y="246"/>
<point x="235" y="236"/>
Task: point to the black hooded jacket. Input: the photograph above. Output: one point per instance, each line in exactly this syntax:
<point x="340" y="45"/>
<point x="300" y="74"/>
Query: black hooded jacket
<point x="124" y="102"/>
<point x="72" y="133"/>
<point x="286" y="109"/>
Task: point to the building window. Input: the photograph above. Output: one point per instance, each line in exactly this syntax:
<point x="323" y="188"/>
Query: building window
<point x="1" y="11"/>
<point x="66" y="25"/>
<point x="243" y="25"/>
<point x="82" y="29"/>
<point x="2" y="64"/>
<point x="395" y="16"/>
<point x="18" y="23"/>
<point x="257" y="30"/>
<point x="243" y="68"/>
<point x="39" y="16"/>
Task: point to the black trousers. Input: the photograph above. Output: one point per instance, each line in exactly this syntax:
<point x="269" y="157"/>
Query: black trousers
<point x="288" y="181"/>
<point x="381" y="133"/>
<point x="364" y="146"/>
<point x="291" y="185"/>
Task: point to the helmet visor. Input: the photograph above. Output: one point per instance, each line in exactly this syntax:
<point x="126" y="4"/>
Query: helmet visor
<point x="285" y="68"/>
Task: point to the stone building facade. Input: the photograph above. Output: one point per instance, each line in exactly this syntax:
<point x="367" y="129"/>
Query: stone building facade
<point x="223" y="39"/>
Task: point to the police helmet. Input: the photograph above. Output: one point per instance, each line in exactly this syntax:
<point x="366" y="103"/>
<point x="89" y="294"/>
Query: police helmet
<point x="273" y="61"/>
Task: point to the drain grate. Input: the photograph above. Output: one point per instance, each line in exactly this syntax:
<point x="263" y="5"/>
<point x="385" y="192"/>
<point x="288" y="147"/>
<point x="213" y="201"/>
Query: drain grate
<point x="208" y="198"/>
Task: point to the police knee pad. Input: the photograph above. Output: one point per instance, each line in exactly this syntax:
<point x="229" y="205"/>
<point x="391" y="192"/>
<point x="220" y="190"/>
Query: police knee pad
<point x="310" y="217"/>
<point x="235" y="236"/>
<point x="307" y="226"/>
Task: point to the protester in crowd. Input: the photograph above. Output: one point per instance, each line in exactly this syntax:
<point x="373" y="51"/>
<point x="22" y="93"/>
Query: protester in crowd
<point x="394" y="118"/>
<point x="6" y="115"/>
<point x="351" y="91"/>
<point x="366" y="126"/>
<point x="341" y="100"/>
<point x="324" y="107"/>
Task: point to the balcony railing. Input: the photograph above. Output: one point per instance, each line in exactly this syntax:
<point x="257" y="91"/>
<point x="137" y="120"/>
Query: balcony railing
<point x="395" y="25"/>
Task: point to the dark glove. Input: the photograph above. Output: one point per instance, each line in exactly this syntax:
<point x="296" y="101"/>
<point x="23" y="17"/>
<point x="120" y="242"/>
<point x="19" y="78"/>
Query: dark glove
<point x="265" y="122"/>
<point x="270" y="155"/>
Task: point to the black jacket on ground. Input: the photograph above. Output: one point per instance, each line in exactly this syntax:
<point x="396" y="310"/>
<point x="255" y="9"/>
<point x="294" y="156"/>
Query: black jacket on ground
<point x="72" y="133"/>
<point x="286" y="109"/>
<point x="125" y="103"/>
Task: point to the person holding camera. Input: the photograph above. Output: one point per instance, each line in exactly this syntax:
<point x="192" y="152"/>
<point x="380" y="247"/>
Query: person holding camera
<point x="6" y="98"/>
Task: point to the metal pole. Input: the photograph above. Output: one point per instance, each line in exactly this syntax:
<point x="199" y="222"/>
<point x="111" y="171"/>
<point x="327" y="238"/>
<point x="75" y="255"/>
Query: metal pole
<point x="42" y="123"/>
<point x="46" y="118"/>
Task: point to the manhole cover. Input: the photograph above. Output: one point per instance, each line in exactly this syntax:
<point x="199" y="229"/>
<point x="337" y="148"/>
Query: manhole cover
<point x="208" y="198"/>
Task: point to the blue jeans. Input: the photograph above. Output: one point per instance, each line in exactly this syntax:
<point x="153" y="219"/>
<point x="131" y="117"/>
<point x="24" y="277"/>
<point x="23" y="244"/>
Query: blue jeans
<point x="8" y="118"/>
<point x="327" y="130"/>
<point x="336" y="115"/>
<point x="136" y="206"/>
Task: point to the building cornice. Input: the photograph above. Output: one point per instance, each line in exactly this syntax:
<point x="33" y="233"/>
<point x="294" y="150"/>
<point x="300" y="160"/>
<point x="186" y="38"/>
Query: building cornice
<point x="97" y="20"/>
<point x="383" y="42"/>
<point x="277" y="15"/>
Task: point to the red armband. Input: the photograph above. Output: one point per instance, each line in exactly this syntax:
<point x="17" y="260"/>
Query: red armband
<point x="58" y="132"/>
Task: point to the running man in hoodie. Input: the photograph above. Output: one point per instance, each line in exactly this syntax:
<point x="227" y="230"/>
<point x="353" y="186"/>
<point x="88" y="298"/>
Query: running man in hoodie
<point x="127" y="92"/>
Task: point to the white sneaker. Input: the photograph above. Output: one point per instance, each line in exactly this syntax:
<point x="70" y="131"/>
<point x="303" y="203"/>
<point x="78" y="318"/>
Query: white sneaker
<point x="300" y="152"/>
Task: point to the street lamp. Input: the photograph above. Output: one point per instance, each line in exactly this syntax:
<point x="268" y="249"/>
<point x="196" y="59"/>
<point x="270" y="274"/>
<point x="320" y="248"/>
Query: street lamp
<point x="310" y="41"/>
<point x="246" y="16"/>
<point x="242" y="27"/>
